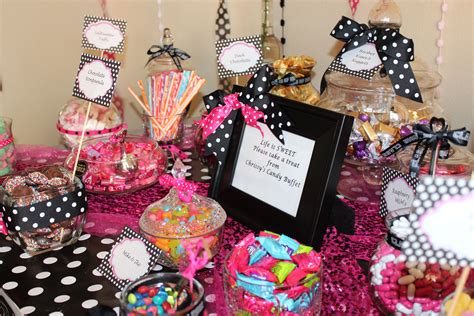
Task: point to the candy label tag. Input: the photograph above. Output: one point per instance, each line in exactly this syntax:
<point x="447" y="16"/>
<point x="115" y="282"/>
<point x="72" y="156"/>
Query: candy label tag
<point x="398" y="191"/>
<point x="81" y="168"/>
<point x="96" y="79"/>
<point x="131" y="257"/>
<point x="239" y="56"/>
<point x="103" y="34"/>
<point x="362" y="58"/>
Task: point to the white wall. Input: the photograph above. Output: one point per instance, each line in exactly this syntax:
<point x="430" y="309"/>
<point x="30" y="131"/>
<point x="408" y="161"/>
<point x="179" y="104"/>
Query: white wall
<point x="41" y="46"/>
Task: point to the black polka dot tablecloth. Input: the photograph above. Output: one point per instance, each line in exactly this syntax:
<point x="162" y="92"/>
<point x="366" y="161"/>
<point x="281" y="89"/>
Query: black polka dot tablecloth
<point x="60" y="282"/>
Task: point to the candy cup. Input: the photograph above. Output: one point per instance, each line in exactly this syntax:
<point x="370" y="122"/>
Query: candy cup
<point x="162" y="289"/>
<point x="249" y="290"/>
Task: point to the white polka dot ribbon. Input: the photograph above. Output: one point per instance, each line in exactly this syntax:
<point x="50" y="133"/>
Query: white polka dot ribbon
<point x="428" y="136"/>
<point x="395" y="51"/>
<point x="185" y="188"/>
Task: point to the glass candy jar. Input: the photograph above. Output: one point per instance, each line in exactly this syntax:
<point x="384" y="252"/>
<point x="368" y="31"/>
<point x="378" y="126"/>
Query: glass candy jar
<point x="187" y="302"/>
<point x="380" y="120"/>
<point x="172" y="221"/>
<point x="117" y="167"/>
<point x="300" y="89"/>
<point x="163" y="62"/>
<point x="7" y="149"/>
<point x="103" y="121"/>
<point x="399" y="287"/>
<point x="43" y="209"/>
<point x="453" y="161"/>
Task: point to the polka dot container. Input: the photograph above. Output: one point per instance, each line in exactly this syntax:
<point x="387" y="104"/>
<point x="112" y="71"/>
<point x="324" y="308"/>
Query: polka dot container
<point x="170" y="221"/>
<point x="102" y="121"/>
<point x="104" y="174"/>
<point x="43" y="209"/>
<point x="188" y="303"/>
<point x="399" y="287"/>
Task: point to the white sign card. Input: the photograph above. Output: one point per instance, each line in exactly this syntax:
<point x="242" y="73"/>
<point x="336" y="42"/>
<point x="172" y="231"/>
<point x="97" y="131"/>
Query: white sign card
<point x="442" y="224"/>
<point x="239" y="56"/>
<point x="101" y="33"/>
<point x="270" y="171"/>
<point x="131" y="257"/>
<point x="362" y="62"/>
<point x="96" y="79"/>
<point x="398" y="191"/>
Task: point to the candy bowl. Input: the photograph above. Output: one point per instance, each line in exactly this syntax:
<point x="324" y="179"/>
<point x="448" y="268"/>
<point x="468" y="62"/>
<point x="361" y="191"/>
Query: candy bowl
<point x="162" y="294"/>
<point x="170" y="223"/>
<point x="102" y="121"/>
<point x="399" y="287"/>
<point x="119" y="164"/>
<point x="272" y="275"/>
<point x="43" y="209"/>
<point x="453" y="161"/>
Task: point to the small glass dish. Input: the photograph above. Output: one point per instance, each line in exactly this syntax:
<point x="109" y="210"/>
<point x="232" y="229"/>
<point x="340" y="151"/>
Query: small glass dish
<point x="190" y="304"/>
<point x="42" y="209"/>
<point x="243" y="302"/>
<point x="169" y="222"/>
<point x="115" y="168"/>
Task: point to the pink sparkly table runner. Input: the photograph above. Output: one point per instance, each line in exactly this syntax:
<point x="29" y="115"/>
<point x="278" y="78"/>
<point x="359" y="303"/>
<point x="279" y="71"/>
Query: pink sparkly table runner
<point x="345" y="285"/>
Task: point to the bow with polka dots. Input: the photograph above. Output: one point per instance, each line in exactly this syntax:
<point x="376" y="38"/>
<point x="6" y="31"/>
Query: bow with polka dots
<point x="394" y="50"/>
<point x="185" y="188"/>
<point x="219" y="124"/>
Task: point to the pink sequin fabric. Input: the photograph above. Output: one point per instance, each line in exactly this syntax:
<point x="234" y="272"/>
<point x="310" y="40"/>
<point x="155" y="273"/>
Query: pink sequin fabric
<point x="345" y="285"/>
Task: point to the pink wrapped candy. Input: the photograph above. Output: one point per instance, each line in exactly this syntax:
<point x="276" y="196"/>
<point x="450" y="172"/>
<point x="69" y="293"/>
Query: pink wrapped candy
<point x="113" y="168"/>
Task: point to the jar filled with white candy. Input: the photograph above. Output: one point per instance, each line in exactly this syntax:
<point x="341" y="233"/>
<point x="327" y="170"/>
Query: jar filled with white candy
<point x="407" y="288"/>
<point x="102" y="121"/>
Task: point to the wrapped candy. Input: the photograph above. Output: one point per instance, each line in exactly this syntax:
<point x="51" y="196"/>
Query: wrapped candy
<point x="115" y="166"/>
<point x="279" y="283"/>
<point x="294" y="79"/>
<point x="183" y="217"/>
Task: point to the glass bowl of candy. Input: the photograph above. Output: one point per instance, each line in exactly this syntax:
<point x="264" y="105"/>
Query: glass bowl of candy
<point x="465" y="305"/>
<point x="7" y="149"/>
<point x="102" y="121"/>
<point x="119" y="166"/>
<point x="272" y="275"/>
<point x="43" y="209"/>
<point x="400" y="287"/>
<point x="162" y="294"/>
<point x="453" y="161"/>
<point x="300" y="89"/>
<point x="381" y="118"/>
<point x="170" y="223"/>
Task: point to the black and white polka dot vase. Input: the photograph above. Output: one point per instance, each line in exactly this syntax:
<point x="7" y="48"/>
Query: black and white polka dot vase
<point x="45" y="225"/>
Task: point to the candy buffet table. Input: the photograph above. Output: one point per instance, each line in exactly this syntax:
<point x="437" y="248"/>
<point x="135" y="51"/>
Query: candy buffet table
<point x="345" y="285"/>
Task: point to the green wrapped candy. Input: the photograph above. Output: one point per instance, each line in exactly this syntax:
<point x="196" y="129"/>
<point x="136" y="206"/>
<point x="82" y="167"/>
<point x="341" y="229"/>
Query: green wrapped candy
<point x="282" y="269"/>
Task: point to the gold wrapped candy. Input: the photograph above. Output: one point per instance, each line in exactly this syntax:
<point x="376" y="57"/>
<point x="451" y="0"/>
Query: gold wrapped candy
<point x="368" y="132"/>
<point x="300" y="67"/>
<point x="384" y="128"/>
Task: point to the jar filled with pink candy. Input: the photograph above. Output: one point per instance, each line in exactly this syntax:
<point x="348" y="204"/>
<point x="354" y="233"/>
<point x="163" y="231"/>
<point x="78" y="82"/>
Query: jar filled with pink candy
<point x="399" y="287"/>
<point x="7" y="149"/>
<point x="102" y="121"/>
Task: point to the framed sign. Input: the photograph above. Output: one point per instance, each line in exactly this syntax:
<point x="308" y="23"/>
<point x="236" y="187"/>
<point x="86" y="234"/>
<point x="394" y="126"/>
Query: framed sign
<point x="288" y="188"/>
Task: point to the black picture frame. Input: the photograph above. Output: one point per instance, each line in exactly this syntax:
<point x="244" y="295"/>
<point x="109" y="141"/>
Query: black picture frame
<point x="331" y="131"/>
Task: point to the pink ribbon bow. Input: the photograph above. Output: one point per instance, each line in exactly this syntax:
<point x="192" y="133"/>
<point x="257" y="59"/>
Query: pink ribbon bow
<point x="185" y="188"/>
<point x="198" y="256"/>
<point x="220" y="113"/>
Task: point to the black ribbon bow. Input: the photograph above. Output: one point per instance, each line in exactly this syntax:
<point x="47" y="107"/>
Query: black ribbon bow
<point x="175" y="53"/>
<point x="255" y="95"/>
<point x="394" y="50"/>
<point x="428" y="136"/>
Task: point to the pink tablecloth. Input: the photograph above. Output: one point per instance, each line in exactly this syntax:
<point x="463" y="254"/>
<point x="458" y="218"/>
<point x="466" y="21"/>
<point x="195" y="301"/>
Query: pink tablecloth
<point x="345" y="285"/>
